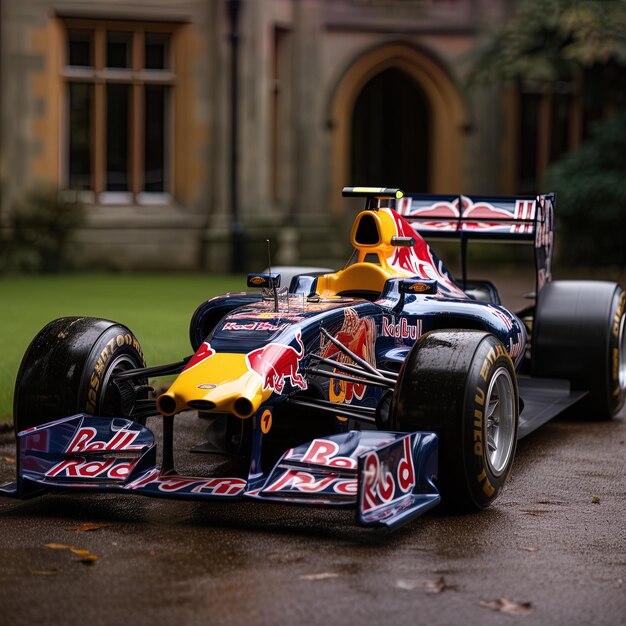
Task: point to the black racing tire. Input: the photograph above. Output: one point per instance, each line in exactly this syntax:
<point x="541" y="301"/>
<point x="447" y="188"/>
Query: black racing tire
<point x="579" y="335"/>
<point x="461" y="384"/>
<point x="67" y="370"/>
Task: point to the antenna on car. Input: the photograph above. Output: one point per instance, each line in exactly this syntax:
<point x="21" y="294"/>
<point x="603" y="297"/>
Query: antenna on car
<point x="266" y="280"/>
<point x="273" y="282"/>
<point x="269" y="257"/>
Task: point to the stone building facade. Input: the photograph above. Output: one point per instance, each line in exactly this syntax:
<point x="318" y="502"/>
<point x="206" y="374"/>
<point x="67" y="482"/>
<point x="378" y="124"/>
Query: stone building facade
<point x="128" y="103"/>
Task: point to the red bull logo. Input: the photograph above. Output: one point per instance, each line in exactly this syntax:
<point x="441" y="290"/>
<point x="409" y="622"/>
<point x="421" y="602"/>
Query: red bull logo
<point x="441" y="215"/>
<point x="276" y="362"/>
<point x="401" y="329"/>
<point x="358" y="335"/>
<point x="301" y="482"/>
<point x="483" y="211"/>
<point x="472" y="216"/>
<point x="80" y="467"/>
<point x="386" y="480"/>
<point x="438" y="210"/>
<point x="491" y="217"/>
<point x="85" y="441"/>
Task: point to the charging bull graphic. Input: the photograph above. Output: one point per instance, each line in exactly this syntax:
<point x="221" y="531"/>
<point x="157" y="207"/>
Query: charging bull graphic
<point x="275" y="362"/>
<point x="358" y="335"/>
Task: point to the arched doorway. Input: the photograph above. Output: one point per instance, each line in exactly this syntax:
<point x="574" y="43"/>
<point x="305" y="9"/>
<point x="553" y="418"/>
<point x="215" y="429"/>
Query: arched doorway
<point x="391" y="133"/>
<point x="423" y="80"/>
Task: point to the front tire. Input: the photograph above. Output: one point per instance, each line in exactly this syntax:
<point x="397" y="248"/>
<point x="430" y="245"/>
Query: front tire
<point x="461" y="384"/>
<point x="68" y="369"/>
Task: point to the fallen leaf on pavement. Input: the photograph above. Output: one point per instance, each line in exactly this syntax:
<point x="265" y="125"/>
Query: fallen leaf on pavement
<point x="79" y="552"/>
<point x="507" y="606"/>
<point x="595" y="499"/>
<point x="87" y="557"/>
<point x="8" y="459"/>
<point x="57" y="546"/>
<point x="530" y="548"/>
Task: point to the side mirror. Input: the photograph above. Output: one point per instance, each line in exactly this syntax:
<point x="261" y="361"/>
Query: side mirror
<point x="418" y="286"/>
<point x="415" y="286"/>
<point x="404" y="242"/>
<point x="264" y="281"/>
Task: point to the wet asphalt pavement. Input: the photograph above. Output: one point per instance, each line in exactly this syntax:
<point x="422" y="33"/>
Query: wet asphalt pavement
<point x="553" y="546"/>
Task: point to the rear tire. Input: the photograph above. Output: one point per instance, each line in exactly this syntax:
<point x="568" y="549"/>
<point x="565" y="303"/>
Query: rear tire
<point x="461" y="384"/>
<point x="68" y="368"/>
<point x="579" y="334"/>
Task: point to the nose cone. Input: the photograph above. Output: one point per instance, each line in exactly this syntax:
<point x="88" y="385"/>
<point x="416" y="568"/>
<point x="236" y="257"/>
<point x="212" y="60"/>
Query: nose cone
<point x="220" y="382"/>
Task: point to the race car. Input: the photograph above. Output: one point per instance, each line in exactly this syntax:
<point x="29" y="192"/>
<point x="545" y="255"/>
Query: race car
<point x="387" y="386"/>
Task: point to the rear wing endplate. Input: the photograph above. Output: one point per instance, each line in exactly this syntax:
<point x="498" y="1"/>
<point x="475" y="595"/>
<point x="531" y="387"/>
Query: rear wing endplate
<point x="524" y="219"/>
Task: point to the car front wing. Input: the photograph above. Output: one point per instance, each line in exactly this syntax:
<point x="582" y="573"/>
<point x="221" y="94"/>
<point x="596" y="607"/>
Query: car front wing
<point x="388" y="476"/>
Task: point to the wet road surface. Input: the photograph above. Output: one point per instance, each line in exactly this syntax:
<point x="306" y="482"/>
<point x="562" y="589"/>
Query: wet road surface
<point x="554" y="546"/>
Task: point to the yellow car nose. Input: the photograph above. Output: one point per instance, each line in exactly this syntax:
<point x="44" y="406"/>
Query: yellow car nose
<point x="221" y="383"/>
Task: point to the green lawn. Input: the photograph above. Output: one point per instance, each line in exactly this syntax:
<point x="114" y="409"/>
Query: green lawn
<point x="157" y="308"/>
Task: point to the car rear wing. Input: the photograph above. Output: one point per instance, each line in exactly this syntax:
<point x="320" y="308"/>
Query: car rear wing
<point x="524" y="219"/>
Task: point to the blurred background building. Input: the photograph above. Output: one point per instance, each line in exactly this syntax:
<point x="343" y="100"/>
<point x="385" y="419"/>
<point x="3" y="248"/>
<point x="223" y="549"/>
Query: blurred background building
<point x="129" y="106"/>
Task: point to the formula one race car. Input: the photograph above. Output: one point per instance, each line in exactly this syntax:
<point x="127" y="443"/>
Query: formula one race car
<point x="387" y="385"/>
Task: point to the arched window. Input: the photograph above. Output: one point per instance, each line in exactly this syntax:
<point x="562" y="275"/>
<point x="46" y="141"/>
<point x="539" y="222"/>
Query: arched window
<point x="396" y="114"/>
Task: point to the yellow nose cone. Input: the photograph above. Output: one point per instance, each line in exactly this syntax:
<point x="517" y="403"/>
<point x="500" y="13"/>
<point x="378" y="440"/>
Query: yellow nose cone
<point x="221" y="383"/>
